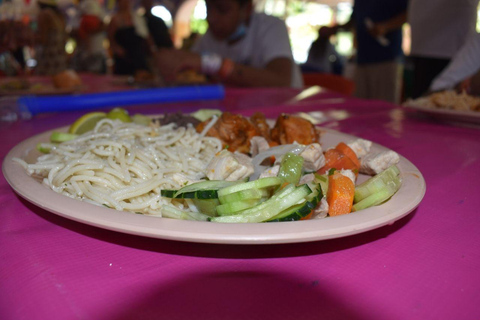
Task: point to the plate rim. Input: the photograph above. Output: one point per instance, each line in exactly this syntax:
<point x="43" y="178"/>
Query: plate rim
<point x="189" y="231"/>
<point x="448" y="114"/>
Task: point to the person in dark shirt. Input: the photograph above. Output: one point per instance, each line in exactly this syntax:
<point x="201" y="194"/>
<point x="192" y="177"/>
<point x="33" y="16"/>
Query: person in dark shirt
<point x="157" y="27"/>
<point x="378" y="30"/>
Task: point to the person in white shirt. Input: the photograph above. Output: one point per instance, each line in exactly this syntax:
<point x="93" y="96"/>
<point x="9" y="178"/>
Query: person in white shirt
<point x="464" y="64"/>
<point x="90" y="54"/>
<point x="439" y="28"/>
<point x="240" y="48"/>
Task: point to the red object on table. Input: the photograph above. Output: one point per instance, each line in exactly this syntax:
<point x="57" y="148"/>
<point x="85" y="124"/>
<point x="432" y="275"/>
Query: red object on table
<point x="330" y="81"/>
<point x="424" y="266"/>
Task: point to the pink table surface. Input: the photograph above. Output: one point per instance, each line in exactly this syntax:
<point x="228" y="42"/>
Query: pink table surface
<point x="425" y="266"/>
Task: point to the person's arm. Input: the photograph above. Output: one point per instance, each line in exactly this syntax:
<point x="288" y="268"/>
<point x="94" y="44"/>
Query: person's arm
<point x="114" y="47"/>
<point x="381" y="28"/>
<point x="277" y="72"/>
<point x="464" y="64"/>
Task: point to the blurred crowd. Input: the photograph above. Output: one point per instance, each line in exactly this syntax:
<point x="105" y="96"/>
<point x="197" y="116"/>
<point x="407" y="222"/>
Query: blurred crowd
<point x="244" y="48"/>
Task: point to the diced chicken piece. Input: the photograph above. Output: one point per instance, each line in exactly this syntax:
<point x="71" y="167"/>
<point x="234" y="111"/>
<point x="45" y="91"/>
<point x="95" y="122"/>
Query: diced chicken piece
<point x="289" y="129"/>
<point x="321" y="211"/>
<point x="258" y="144"/>
<point x="270" y="172"/>
<point x="229" y="166"/>
<point x="375" y="163"/>
<point x="307" y="178"/>
<point x="235" y="131"/>
<point x="349" y="174"/>
<point x="259" y="121"/>
<point x="182" y="179"/>
<point x="361" y="147"/>
<point x="313" y="156"/>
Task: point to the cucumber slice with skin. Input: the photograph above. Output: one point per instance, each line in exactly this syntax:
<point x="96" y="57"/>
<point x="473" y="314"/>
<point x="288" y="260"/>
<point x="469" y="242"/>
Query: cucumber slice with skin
<point x="294" y="213"/>
<point x="255" y="184"/>
<point x="385" y="193"/>
<point x="244" y="195"/>
<point x="302" y="210"/>
<point x="207" y="206"/>
<point x="44" y="147"/>
<point x="200" y="194"/>
<point x="277" y="196"/>
<point x="376" y="183"/>
<point x="58" y="137"/>
<point x="200" y="190"/>
<point x="273" y="206"/>
<point x="236" y="206"/>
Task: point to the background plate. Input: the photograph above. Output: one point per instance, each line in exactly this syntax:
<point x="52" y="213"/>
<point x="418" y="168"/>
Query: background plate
<point x="472" y="117"/>
<point x="402" y="203"/>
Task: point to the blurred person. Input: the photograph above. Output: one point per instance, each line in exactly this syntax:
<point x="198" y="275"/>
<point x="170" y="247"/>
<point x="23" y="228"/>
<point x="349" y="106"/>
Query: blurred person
<point x="50" y="39"/>
<point x="240" y="48"/>
<point x="464" y="64"/>
<point x="378" y="35"/>
<point x="156" y="26"/>
<point x="439" y="28"/>
<point x="90" y="53"/>
<point x="128" y="34"/>
<point x="322" y="56"/>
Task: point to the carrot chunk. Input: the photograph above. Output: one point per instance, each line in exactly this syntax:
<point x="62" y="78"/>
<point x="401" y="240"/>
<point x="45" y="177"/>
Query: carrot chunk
<point x="346" y="150"/>
<point x="337" y="160"/>
<point x="341" y="191"/>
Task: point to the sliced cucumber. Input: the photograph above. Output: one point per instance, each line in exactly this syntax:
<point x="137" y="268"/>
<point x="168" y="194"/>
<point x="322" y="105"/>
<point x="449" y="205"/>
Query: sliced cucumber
<point x="58" y="137"/>
<point x="244" y="195"/>
<point x="269" y="208"/>
<point x="200" y="194"/>
<point x="255" y="184"/>
<point x="45" y="147"/>
<point x="236" y="206"/>
<point x="376" y="183"/>
<point x="387" y="190"/>
<point x="291" y="168"/>
<point x="302" y="210"/>
<point x="199" y="190"/>
<point x="322" y="179"/>
<point x="207" y="206"/>
<point x="174" y="213"/>
<point x="294" y="213"/>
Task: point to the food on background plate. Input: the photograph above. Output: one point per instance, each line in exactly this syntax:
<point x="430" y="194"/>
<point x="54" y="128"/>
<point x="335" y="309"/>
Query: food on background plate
<point x="449" y="100"/>
<point x="190" y="77"/>
<point x="179" y="171"/>
<point x="67" y="79"/>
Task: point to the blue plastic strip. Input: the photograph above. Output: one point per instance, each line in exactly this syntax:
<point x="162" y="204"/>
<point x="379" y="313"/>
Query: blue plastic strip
<point x="38" y="104"/>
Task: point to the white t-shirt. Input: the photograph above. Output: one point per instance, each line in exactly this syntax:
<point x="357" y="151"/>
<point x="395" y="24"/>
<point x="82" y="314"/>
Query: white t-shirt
<point x="266" y="39"/>
<point x="95" y="42"/>
<point x="464" y="64"/>
<point x="440" y="27"/>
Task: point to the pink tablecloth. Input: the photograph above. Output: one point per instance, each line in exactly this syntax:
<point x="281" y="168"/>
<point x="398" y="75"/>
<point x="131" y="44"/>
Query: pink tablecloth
<point x="425" y="266"/>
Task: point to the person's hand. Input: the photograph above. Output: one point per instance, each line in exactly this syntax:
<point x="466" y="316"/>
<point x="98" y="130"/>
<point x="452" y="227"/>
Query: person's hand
<point x="171" y="61"/>
<point x="465" y="86"/>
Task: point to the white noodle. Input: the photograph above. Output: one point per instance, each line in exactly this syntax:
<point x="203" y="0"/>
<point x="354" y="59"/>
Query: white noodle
<point x="125" y="166"/>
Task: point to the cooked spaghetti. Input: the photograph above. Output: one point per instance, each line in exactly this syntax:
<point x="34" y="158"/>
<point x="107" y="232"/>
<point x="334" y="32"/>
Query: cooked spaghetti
<point x="124" y="165"/>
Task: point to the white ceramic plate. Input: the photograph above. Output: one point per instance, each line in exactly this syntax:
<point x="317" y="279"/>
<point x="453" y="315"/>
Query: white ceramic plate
<point x="471" y="117"/>
<point x="402" y="203"/>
